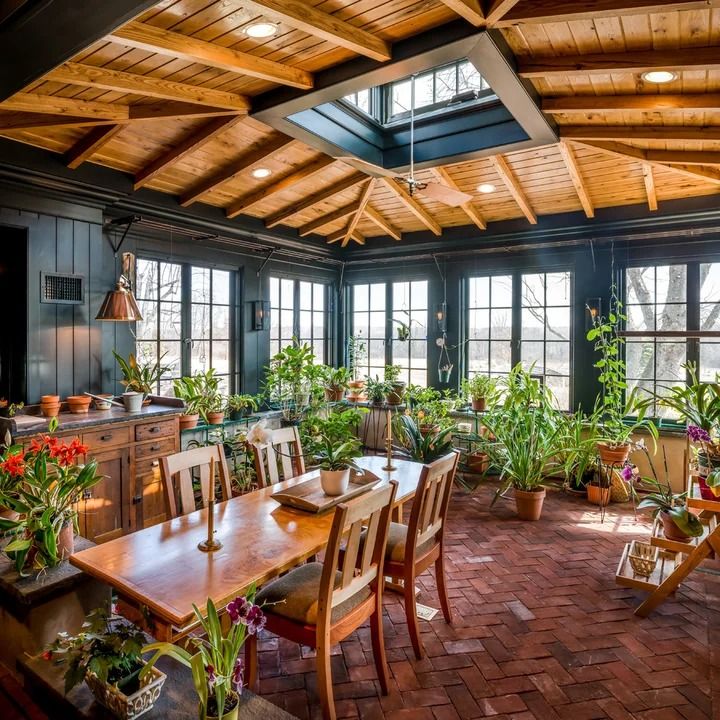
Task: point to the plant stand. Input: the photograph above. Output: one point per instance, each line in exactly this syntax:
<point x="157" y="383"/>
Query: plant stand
<point x="677" y="560"/>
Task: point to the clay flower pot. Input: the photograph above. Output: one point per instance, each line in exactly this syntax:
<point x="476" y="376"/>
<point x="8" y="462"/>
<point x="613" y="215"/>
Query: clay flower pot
<point x="333" y="394"/>
<point x="529" y="503"/>
<point x="50" y="411"/>
<point x="215" y="418"/>
<point x="395" y="396"/>
<point x="610" y="455"/>
<point x="189" y="421"/>
<point x="671" y="530"/>
<point x="66" y="542"/>
<point x="478" y="404"/>
<point x="49" y="399"/>
<point x="598" y="495"/>
<point x="477" y="462"/>
<point x="78" y="404"/>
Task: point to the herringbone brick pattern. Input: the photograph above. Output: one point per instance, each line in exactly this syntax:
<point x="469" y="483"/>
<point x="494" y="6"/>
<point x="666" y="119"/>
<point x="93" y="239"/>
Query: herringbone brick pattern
<point x="541" y="631"/>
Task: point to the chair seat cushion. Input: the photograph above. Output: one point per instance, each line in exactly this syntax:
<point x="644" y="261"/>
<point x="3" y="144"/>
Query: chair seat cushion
<point x="296" y="595"/>
<point x="397" y="536"/>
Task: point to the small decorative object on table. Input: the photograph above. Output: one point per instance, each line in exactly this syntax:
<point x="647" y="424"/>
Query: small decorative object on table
<point x="643" y="557"/>
<point x="107" y="655"/>
<point x="210" y="544"/>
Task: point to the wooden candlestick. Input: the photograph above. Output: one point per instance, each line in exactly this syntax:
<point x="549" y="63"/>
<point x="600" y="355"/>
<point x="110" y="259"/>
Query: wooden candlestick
<point x="388" y="443"/>
<point x="211" y="544"/>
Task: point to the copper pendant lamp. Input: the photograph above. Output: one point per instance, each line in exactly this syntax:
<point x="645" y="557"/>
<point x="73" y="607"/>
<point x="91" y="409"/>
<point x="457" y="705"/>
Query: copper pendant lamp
<point x="120" y="304"/>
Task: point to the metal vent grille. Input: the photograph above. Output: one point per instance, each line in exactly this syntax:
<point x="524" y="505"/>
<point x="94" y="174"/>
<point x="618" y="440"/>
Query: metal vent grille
<point x="61" y="289"/>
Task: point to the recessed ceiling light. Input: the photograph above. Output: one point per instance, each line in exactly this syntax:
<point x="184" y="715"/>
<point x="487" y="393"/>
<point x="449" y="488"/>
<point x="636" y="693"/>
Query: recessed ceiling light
<point x="261" y="172"/>
<point x="486" y="188"/>
<point x="659" y="76"/>
<point x="261" y="30"/>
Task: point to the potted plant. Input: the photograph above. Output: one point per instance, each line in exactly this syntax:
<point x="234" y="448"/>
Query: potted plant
<point x="394" y="396"/>
<point x="217" y="666"/>
<point x="402" y="329"/>
<point x="106" y="654"/>
<point x="445" y="372"/>
<point x="292" y="381"/>
<point x="50" y="483"/>
<point x="579" y="453"/>
<point x="210" y="403"/>
<point x="335" y="382"/>
<point x="9" y="410"/>
<point x="620" y="413"/>
<point x="240" y="406"/>
<point x="479" y="389"/>
<point x="376" y="390"/>
<point x="335" y="461"/>
<point x="424" y="447"/>
<point x="357" y="352"/>
<point x="141" y="377"/>
<point x="186" y="389"/>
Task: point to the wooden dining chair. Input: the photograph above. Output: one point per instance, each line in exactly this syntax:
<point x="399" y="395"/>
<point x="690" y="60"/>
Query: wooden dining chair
<point x="282" y="452"/>
<point x="320" y="604"/>
<point x="176" y="472"/>
<point x="413" y="548"/>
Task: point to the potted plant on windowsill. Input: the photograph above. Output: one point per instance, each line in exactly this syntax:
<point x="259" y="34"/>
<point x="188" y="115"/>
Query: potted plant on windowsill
<point x="479" y="390"/>
<point x="335" y="382"/>
<point x="292" y="381"/>
<point x="210" y="404"/>
<point x="50" y="483"/>
<point x="240" y="406"/>
<point x="106" y="654"/>
<point x="376" y="390"/>
<point x="186" y="389"/>
<point x="394" y="395"/>
<point x="357" y="352"/>
<point x="217" y="666"/>
<point x="141" y="377"/>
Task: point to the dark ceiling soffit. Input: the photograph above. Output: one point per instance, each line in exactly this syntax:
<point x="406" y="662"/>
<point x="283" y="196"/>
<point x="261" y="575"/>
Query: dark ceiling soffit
<point x="690" y="216"/>
<point x="45" y="35"/>
<point x="99" y="186"/>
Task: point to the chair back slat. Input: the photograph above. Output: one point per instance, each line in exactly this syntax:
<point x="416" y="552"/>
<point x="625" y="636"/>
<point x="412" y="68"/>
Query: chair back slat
<point x="177" y="477"/>
<point x="429" y="510"/>
<point x="283" y="452"/>
<point x="373" y="526"/>
<point x="372" y="509"/>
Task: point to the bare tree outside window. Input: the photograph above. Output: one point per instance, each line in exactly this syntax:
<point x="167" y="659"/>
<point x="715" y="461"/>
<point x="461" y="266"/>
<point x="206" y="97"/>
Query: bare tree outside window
<point x="489" y="333"/>
<point x="370" y="322"/>
<point x="410" y="306"/>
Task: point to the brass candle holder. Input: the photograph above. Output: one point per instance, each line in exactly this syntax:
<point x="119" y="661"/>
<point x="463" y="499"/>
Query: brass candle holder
<point x="388" y="443"/>
<point x="210" y="544"/>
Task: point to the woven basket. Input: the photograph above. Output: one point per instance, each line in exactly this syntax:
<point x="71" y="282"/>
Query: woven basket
<point x="127" y="707"/>
<point x="643" y="558"/>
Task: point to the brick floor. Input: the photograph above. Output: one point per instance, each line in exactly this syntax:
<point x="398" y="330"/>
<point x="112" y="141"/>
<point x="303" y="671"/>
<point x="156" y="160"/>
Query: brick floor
<point x="541" y="631"/>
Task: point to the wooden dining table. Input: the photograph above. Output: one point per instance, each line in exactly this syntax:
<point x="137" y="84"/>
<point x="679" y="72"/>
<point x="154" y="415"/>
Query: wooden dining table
<point x="158" y="573"/>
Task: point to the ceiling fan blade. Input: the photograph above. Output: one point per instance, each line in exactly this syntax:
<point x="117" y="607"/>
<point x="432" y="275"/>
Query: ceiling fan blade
<point x="444" y="194"/>
<point x="366" y="167"/>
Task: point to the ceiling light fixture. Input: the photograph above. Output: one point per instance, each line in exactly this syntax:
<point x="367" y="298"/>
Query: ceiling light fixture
<point x="486" y="188"/>
<point x="659" y="76"/>
<point x="261" y="30"/>
<point x="261" y="173"/>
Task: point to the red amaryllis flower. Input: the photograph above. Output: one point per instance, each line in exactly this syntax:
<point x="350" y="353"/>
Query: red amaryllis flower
<point x="14" y="465"/>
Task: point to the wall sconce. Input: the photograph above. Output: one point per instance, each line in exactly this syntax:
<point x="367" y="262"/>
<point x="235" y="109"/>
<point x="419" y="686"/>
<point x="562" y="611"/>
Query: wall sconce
<point x="592" y="311"/>
<point x="261" y="315"/>
<point x="441" y="316"/>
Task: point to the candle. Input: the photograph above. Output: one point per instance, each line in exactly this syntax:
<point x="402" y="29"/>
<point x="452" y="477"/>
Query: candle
<point x="212" y="479"/>
<point x="389" y="424"/>
<point x="211" y="522"/>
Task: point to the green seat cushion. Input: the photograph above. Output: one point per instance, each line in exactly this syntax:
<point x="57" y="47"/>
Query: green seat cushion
<point x="296" y="595"/>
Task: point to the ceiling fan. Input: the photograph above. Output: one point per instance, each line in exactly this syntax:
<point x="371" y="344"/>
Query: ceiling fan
<point x="432" y="190"/>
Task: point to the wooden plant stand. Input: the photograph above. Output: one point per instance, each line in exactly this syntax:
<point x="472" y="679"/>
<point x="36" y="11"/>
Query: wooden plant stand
<point x="676" y="560"/>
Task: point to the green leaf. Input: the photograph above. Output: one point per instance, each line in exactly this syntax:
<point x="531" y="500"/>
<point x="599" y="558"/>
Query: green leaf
<point x="687" y="522"/>
<point x="18" y="545"/>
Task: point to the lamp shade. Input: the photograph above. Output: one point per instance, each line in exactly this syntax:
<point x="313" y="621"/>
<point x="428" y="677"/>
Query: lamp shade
<point x="119" y="305"/>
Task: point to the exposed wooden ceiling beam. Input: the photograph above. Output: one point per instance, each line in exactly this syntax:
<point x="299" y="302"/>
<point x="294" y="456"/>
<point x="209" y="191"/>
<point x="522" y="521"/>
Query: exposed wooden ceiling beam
<point x="568" y="156"/>
<point x="172" y="110"/>
<point x="276" y="143"/>
<point x="626" y="151"/>
<point x="550" y="11"/>
<point x="362" y="204"/>
<point x="192" y="142"/>
<point x="10" y="121"/>
<point x="327" y="218"/>
<point x="89" y="144"/>
<point x="52" y="105"/>
<point x="471" y="10"/>
<point x="320" y="24"/>
<point x="175" y="45"/>
<point x="649" y="179"/>
<point x="513" y="186"/>
<point x="619" y="103"/>
<point x="357" y="236"/>
<point x="684" y="157"/>
<point x="698" y="58"/>
<point x="497" y="9"/>
<point x="302" y="173"/>
<point x="414" y="206"/>
<point x="639" y="132"/>
<point x="385" y="225"/>
<point x="468" y="208"/>
<point x="114" y="80"/>
<point x="320" y="196"/>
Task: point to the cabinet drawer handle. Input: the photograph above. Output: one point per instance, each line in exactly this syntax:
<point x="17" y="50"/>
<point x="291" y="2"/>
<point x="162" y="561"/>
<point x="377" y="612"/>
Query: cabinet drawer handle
<point x="106" y="437"/>
<point x="137" y="499"/>
<point x="154" y="430"/>
<point x="154" y="448"/>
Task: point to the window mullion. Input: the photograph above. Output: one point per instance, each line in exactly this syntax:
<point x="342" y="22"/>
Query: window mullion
<point x="693" y="313"/>
<point x="186" y="319"/>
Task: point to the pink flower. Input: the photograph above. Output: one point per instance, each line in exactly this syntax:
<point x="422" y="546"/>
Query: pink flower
<point x="255" y="620"/>
<point x="238" y="610"/>
<point x="237" y="675"/>
<point x="697" y="434"/>
<point x="627" y="473"/>
<point x="211" y="678"/>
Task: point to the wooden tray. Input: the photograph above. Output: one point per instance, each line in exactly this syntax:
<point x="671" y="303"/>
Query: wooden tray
<point x="310" y="497"/>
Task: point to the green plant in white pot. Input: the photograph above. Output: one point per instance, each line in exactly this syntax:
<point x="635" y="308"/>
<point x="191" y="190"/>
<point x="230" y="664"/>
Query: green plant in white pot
<point x="335" y="460"/>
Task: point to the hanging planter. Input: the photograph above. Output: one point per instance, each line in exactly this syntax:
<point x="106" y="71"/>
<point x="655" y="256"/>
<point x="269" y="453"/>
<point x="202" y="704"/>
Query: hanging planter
<point x="445" y="373"/>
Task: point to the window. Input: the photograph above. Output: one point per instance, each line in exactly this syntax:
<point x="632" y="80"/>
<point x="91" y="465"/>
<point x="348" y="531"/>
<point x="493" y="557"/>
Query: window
<point x="709" y="361"/>
<point x="362" y="100"/>
<point x="489" y="331"/>
<point x="159" y="334"/>
<point x="187" y="319"/>
<point x="410" y="307"/>
<point x="545" y="330"/>
<point x="369" y="322"/>
<point x="297" y="310"/>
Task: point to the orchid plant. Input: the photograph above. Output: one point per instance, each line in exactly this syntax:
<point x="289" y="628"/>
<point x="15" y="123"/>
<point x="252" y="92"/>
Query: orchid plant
<point x="217" y="667"/>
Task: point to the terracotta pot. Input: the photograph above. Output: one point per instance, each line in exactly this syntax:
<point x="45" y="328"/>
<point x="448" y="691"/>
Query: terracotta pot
<point x="215" y="418"/>
<point x="50" y="411"/>
<point x="671" y="530"/>
<point x="395" y="397"/>
<point x="335" y="482"/>
<point x="598" y="495"/>
<point x="66" y="542"/>
<point x="189" y="421"/>
<point x="428" y="429"/>
<point x="78" y="404"/>
<point x="49" y="399"/>
<point x="478" y="404"/>
<point x="529" y="503"/>
<point x="334" y="394"/>
<point x="477" y="462"/>
<point x="610" y="455"/>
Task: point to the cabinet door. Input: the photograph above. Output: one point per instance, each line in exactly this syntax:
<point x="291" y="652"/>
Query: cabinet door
<point x="105" y="514"/>
<point x="151" y="508"/>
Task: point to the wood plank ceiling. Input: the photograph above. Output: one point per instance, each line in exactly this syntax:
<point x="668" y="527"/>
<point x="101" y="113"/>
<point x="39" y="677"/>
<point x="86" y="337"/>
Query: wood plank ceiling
<point x="165" y="98"/>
